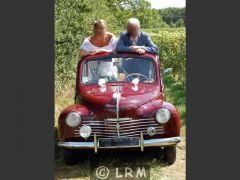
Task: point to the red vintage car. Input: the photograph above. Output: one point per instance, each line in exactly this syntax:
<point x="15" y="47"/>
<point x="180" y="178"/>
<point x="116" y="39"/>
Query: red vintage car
<point x="119" y="104"/>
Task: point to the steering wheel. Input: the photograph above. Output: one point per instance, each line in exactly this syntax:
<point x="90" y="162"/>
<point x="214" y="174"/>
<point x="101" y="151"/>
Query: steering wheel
<point x="138" y="76"/>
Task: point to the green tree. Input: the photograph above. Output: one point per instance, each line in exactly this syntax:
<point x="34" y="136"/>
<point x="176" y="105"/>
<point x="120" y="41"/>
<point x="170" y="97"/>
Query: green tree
<point x="172" y="15"/>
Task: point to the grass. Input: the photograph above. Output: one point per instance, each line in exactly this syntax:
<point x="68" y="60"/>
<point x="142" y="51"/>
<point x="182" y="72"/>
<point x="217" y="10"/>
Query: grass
<point x="64" y="96"/>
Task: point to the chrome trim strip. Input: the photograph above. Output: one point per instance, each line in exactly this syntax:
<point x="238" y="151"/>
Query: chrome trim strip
<point x="115" y="120"/>
<point x="162" y="142"/>
<point x="76" y="144"/>
<point x="103" y="135"/>
<point x="120" y="119"/>
<point x="122" y="129"/>
<point x="141" y="142"/>
<point x="124" y="125"/>
<point x="127" y="124"/>
<point x="135" y="133"/>
<point x="95" y="143"/>
<point x="146" y="143"/>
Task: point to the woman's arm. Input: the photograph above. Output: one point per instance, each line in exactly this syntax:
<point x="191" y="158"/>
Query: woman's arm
<point x="85" y="53"/>
<point x="86" y="48"/>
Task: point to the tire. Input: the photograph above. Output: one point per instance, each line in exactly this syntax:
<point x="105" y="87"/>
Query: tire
<point x="169" y="154"/>
<point x="69" y="157"/>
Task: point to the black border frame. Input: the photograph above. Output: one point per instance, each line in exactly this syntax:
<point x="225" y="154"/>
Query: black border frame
<point x="212" y="89"/>
<point x="27" y="89"/>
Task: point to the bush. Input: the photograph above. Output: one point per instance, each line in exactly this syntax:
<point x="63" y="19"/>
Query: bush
<point x="172" y="45"/>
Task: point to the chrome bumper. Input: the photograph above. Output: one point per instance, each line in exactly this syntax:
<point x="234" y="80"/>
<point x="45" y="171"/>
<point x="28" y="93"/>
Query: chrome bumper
<point x="142" y="143"/>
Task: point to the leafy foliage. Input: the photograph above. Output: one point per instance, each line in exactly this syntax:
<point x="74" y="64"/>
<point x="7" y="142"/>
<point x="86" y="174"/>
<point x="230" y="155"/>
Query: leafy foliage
<point x="172" y="45"/>
<point x="175" y="17"/>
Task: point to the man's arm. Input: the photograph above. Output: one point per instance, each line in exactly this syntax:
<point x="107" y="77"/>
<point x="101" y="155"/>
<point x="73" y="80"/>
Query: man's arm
<point x="150" y="46"/>
<point x="121" y="47"/>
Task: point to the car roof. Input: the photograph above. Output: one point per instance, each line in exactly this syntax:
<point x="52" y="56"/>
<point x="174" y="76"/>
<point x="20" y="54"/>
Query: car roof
<point x="118" y="55"/>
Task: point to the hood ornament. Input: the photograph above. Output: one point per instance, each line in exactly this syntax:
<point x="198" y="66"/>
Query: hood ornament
<point x="135" y="81"/>
<point x="102" y="84"/>
<point x="117" y="96"/>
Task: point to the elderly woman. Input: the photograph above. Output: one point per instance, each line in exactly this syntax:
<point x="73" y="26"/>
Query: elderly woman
<point x="100" y="41"/>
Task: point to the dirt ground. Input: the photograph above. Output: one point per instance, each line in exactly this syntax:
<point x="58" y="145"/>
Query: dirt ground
<point x="158" y="170"/>
<point x="177" y="171"/>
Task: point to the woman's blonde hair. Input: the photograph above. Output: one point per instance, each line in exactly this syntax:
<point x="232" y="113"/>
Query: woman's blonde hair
<point x="100" y="21"/>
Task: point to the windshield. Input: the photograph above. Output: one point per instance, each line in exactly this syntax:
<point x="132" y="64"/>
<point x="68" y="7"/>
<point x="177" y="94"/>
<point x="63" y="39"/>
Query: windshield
<point x="118" y="70"/>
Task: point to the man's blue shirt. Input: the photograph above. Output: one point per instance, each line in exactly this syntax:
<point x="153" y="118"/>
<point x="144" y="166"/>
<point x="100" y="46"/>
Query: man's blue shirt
<point x="144" y="39"/>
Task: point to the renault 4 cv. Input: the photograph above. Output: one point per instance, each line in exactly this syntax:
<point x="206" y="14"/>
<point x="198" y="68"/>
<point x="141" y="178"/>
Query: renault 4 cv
<point x="119" y="104"/>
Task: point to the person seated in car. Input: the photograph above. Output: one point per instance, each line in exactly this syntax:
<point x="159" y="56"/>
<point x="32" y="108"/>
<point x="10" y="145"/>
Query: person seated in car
<point x="135" y="40"/>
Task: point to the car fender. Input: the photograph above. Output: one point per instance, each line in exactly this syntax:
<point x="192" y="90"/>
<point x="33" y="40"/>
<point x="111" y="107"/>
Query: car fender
<point x="149" y="110"/>
<point x="64" y="129"/>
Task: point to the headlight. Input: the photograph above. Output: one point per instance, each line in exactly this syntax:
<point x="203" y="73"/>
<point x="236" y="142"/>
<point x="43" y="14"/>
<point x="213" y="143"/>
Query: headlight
<point x="163" y="116"/>
<point x="85" y="131"/>
<point x="73" y="119"/>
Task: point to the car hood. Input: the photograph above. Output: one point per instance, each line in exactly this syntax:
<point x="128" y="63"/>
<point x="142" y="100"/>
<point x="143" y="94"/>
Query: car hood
<point x="100" y="99"/>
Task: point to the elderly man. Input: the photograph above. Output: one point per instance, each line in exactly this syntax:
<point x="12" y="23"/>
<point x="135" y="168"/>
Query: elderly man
<point x="134" y="40"/>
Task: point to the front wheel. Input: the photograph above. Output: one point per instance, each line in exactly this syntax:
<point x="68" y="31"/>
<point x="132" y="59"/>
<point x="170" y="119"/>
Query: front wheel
<point x="69" y="156"/>
<point x="169" y="154"/>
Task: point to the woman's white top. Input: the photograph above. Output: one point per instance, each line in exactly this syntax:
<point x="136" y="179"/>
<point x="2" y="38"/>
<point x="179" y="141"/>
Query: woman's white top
<point x="89" y="47"/>
<point x="106" y="68"/>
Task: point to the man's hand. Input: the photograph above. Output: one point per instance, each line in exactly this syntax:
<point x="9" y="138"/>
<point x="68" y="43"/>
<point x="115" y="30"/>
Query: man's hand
<point x="138" y="49"/>
<point x="134" y="48"/>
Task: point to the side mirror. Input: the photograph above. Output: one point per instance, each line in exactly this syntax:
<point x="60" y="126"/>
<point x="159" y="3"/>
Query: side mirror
<point x="167" y="71"/>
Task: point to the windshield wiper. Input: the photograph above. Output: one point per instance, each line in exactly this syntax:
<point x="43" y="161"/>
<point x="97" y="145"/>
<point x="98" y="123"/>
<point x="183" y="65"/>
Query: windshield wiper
<point x="95" y="74"/>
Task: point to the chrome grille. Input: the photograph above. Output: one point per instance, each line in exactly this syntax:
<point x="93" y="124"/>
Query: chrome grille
<point x="128" y="127"/>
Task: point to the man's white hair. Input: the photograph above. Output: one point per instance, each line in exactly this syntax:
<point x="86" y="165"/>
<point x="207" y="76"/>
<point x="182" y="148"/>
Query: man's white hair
<point x="134" y="21"/>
